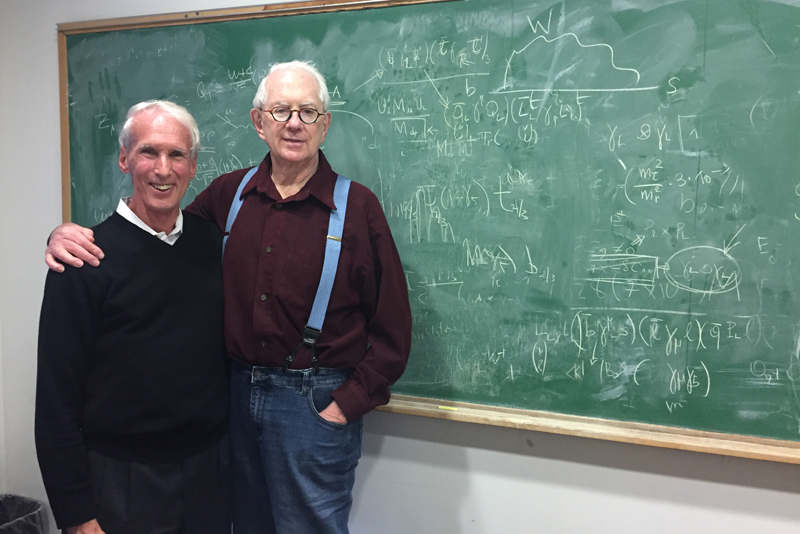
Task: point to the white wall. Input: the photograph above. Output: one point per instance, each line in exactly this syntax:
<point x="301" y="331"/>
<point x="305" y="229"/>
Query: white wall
<point x="2" y="416"/>
<point x="417" y="475"/>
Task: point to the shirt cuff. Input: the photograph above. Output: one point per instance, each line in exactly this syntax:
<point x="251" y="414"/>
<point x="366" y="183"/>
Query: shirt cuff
<point x="352" y="401"/>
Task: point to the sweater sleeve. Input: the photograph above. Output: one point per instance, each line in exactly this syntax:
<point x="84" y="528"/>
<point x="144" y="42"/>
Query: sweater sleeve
<point x="385" y="303"/>
<point x="66" y="324"/>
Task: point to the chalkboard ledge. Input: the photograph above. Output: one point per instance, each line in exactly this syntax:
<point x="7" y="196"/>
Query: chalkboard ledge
<point x="590" y="427"/>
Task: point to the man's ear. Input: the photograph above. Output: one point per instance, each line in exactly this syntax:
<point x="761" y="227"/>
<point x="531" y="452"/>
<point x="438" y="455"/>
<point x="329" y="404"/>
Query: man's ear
<point x="123" y="160"/>
<point x="326" y="124"/>
<point x="255" y="116"/>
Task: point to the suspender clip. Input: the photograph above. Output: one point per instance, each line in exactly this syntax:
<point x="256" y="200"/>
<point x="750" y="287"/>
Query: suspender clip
<point x="310" y="335"/>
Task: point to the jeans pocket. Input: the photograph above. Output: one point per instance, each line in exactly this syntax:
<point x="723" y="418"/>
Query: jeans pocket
<point x="320" y="398"/>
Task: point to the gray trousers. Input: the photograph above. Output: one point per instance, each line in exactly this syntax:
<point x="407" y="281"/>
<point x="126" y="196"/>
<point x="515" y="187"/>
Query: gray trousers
<point x="192" y="496"/>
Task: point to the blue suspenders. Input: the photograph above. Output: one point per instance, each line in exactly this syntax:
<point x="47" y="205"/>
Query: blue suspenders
<point x="333" y="247"/>
<point x="236" y="206"/>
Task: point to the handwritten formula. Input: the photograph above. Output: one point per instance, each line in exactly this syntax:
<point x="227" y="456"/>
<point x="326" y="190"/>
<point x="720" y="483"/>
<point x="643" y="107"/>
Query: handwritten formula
<point x="598" y="210"/>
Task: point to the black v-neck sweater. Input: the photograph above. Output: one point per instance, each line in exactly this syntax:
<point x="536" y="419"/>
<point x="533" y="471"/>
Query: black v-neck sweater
<point x="132" y="360"/>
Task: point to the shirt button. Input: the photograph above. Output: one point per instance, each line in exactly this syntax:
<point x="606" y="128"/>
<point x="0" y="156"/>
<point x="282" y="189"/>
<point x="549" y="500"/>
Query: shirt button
<point x="268" y="250"/>
<point x="263" y="297"/>
<point x="263" y="344"/>
<point x="278" y="206"/>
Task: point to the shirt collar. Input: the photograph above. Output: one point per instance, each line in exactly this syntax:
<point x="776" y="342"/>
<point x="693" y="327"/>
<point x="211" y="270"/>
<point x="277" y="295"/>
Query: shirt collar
<point x="320" y="185"/>
<point x="130" y="216"/>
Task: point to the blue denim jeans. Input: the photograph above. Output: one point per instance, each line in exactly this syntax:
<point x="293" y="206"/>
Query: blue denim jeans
<point x="293" y="471"/>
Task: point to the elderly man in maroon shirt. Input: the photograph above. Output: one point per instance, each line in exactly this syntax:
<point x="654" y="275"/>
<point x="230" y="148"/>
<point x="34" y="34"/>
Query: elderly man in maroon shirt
<point x="296" y="423"/>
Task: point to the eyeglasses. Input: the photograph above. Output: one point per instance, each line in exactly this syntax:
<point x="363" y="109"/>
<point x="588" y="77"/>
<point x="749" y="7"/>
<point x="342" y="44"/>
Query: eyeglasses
<point x="283" y="114"/>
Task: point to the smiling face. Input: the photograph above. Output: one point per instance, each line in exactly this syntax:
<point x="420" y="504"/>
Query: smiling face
<point x="291" y="143"/>
<point x="160" y="163"/>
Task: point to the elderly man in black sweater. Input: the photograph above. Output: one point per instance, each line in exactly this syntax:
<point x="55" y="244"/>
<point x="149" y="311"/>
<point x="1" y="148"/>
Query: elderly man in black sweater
<point x="132" y="394"/>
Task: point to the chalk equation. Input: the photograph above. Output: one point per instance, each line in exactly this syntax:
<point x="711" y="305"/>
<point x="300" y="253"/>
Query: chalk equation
<point x="597" y="211"/>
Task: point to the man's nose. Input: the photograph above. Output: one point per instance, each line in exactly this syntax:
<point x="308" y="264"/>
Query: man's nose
<point x="163" y="165"/>
<point x="294" y="119"/>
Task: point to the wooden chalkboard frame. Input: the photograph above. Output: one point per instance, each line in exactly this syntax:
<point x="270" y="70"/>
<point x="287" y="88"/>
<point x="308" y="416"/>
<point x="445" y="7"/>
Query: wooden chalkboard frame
<point x="556" y="423"/>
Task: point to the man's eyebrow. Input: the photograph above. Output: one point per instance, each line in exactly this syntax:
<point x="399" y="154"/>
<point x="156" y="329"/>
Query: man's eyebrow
<point x="142" y="148"/>
<point x="307" y="104"/>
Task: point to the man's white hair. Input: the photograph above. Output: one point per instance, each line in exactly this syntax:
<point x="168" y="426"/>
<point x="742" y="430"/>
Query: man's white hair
<point x="166" y="107"/>
<point x="262" y="97"/>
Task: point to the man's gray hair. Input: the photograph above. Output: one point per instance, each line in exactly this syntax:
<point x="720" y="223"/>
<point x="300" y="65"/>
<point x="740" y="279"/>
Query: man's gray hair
<point x="179" y="113"/>
<point x="261" y="95"/>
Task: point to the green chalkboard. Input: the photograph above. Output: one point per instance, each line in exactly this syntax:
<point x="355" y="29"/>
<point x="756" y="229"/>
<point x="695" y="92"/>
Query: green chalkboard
<point x="597" y="203"/>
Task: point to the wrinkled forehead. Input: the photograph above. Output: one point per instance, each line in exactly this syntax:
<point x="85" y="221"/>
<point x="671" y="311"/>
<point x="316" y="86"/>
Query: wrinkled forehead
<point x="155" y="126"/>
<point x="292" y="87"/>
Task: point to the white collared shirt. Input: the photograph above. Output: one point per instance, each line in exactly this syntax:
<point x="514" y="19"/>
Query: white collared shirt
<point x="128" y="215"/>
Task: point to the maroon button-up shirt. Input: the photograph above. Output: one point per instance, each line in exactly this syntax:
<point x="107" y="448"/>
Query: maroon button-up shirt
<point x="272" y="268"/>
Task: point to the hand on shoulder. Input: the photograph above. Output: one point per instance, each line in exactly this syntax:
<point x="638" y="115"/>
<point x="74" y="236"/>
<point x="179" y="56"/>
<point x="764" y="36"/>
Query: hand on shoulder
<point x="72" y="245"/>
